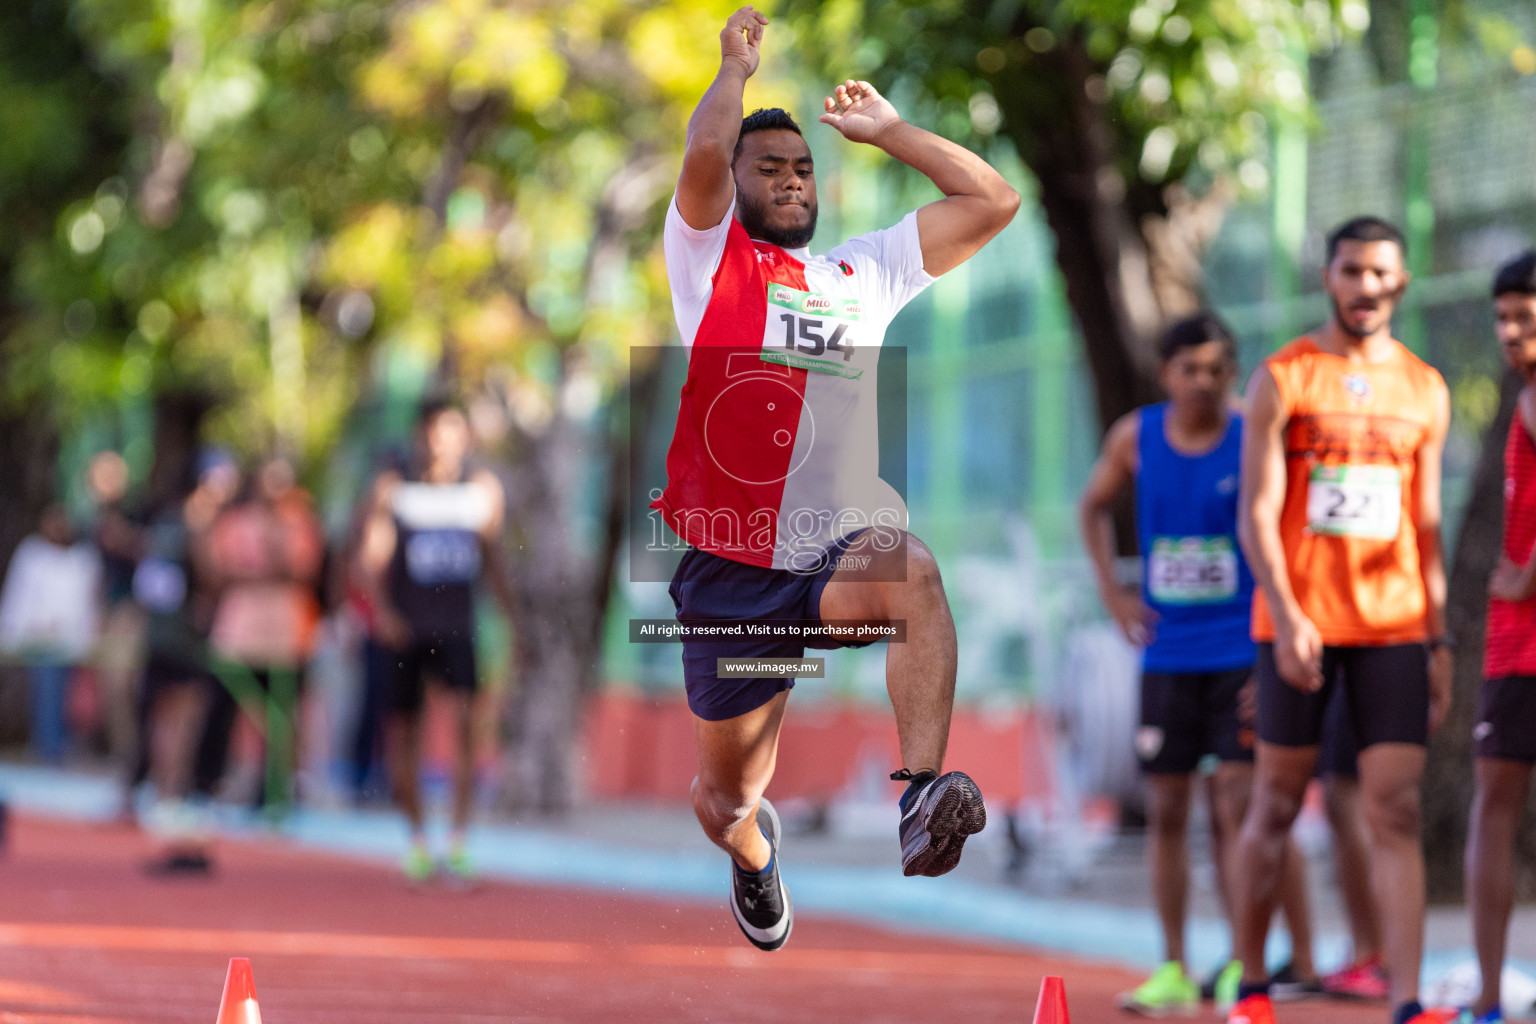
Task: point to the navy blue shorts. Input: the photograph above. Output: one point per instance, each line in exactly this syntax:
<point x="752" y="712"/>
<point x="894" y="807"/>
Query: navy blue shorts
<point x="707" y="588"/>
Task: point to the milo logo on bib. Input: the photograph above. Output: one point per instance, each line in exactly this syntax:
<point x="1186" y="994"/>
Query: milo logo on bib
<point x="812" y="331"/>
<point x="1192" y="570"/>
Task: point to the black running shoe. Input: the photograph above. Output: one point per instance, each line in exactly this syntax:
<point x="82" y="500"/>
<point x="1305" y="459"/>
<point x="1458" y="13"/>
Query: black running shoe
<point x="937" y="820"/>
<point x="760" y="902"/>
<point x="1285" y="985"/>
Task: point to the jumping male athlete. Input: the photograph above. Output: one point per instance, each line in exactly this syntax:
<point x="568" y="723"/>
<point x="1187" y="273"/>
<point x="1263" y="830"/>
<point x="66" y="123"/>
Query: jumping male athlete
<point x="772" y="476"/>
<point x="1506" y="720"/>
<point x="1340" y="519"/>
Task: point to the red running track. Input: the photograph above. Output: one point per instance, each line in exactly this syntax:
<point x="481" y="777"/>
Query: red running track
<point x="87" y="938"/>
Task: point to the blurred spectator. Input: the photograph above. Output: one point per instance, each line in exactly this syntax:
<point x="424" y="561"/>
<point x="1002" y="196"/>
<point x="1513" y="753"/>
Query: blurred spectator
<point x="49" y="615"/>
<point x="264" y="558"/>
<point x="367" y="774"/>
<point x="178" y="609"/>
<point x="432" y="536"/>
<point x="120" y="653"/>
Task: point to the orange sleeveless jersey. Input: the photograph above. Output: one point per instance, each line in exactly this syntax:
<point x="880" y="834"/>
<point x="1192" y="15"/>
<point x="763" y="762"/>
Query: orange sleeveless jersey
<point x="1349" y="523"/>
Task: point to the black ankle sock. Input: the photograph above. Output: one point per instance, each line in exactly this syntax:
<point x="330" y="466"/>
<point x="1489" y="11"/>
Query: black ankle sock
<point x="1258" y="988"/>
<point x="919" y="780"/>
<point x="745" y="873"/>
<point x="1406" y="1012"/>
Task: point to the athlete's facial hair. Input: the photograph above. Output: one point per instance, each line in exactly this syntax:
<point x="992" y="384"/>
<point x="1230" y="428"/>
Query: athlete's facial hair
<point x="1344" y="325"/>
<point x="753" y="218"/>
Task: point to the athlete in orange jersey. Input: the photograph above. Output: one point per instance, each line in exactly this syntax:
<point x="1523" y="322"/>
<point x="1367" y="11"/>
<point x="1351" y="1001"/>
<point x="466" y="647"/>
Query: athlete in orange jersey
<point x="1339" y="516"/>
<point x="1506" y="719"/>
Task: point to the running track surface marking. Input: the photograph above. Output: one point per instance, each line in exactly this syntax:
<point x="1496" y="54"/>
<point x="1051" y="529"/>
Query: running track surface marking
<point x="87" y="938"/>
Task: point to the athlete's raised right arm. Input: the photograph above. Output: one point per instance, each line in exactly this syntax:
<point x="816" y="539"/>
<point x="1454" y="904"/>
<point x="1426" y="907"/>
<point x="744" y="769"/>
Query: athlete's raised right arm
<point x="705" y="189"/>
<point x="1112" y="474"/>
<point x="1298" y="644"/>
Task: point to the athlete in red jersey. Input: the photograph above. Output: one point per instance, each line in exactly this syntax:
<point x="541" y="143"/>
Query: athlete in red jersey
<point x="1505" y="733"/>
<point x="771" y="476"/>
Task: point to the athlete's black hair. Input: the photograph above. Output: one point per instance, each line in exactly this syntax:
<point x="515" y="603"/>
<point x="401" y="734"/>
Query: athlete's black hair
<point x="1365" y="229"/>
<point x="1517" y="277"/>
<point x="434" y="405"/>
<point x="765" y="119"/>
<point x="1193" y="331"/>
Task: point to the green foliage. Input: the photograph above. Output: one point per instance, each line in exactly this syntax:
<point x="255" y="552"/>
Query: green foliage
<point x="1190" y="87"/>
<point x="279" y="189"/>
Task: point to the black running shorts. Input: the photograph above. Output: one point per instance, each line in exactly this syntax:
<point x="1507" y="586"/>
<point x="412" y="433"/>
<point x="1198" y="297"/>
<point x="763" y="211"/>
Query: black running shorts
<point x="1187" y="715"/>
<point x="1385" y="690"/>
<point x="1339" y="755"/>
<point x="450" y="660"/>
<point x="1506" y="719"/>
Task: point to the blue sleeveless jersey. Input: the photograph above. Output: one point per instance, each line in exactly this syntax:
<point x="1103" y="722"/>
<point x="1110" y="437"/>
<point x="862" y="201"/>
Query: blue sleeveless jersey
<point x="1193" y="572"/>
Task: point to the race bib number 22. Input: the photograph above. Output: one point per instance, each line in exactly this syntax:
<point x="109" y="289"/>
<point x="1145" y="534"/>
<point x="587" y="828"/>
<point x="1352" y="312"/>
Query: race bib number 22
<point x="1355" y="501"/>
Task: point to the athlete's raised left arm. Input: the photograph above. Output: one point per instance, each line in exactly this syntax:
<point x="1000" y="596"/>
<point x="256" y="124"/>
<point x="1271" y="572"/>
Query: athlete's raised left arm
<point x="1432" y="556"/>
<point x="977" y="202"/>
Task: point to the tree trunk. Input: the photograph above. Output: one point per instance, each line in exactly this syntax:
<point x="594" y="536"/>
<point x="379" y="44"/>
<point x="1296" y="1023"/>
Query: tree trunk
<point x="178" y="429"/>
<point x="1099" y="249"/>
<point x="1448" y="780"/>
<point x="1129" y="254"/>
<point x="562" y="592"/>
<point x="28" y="454"/>
<point x="556" y="648"/>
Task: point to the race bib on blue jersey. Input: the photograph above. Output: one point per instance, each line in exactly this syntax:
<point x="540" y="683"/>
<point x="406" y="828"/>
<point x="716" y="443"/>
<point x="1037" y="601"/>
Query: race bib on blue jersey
<point x="1192" y="570"/>
<point x="437" y="557"/>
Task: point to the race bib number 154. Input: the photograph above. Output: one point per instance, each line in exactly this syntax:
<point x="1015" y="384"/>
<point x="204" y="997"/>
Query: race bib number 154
<point x="812" y="331"/>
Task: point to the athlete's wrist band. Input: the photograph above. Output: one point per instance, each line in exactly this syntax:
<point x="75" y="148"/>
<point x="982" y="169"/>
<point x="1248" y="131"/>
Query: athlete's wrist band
<point x="1435" y="643"/>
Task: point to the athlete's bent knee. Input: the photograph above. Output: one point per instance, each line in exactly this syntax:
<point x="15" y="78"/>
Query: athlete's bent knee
<point x="922" y="567"/>
<point x="718" y="811"/>
<point x="1273" y="809"/>
<point x="1230" y="805"/>
<point x="1394" y="814"/>
<point x="1340" y="802"/>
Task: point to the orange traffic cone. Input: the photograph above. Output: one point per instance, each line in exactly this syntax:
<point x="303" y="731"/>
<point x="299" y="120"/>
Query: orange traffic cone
<point x="1052" y="1007"/>
<point x="239" y="1003"/>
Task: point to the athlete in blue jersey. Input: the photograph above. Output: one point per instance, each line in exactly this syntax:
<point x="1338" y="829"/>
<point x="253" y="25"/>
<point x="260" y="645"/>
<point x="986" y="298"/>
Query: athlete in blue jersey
<point x="1191" y="616"/>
